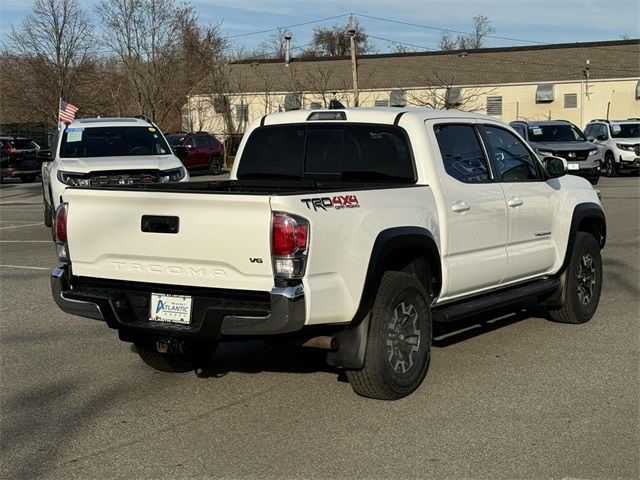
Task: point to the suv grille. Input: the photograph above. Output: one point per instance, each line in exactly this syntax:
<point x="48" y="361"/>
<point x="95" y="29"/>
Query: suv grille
<point x="637" y="149"/>
<point x="123" y="178"/>
<point x="574" y="155"/>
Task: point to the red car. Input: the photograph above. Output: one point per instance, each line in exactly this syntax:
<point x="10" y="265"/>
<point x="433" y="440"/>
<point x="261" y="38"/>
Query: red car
<point x="198" y="151"/>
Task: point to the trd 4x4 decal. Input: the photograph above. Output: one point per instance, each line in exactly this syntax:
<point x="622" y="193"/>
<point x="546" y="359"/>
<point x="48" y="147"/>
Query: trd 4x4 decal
<point x="338" y="202"/>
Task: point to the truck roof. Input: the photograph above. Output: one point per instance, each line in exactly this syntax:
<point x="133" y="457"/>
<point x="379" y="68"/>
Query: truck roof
<point x="381" y="115"/>
<point x="109" y="122"/>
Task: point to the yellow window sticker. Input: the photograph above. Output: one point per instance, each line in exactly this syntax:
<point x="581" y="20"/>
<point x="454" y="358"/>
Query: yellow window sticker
<point x="151" y="129"/>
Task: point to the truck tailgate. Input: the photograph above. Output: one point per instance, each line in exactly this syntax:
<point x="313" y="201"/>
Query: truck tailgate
<point x="223" y="240"/>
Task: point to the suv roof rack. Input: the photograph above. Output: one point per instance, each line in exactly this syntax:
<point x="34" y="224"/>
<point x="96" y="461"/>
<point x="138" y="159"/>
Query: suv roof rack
<point x="600" y="120"/>
<point x="634" y="119"/>
<point x="144" y="117"/>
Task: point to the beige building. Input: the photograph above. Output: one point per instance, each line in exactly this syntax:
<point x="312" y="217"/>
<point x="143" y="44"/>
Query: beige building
<point x="576" y="82"/>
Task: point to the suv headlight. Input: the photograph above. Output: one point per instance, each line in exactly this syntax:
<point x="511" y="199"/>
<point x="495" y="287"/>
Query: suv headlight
<point x="170" y="176"/>
<point x="624" y="146"/>
<point x="545" y="153"/>
<point x="74" y="179"/>
<point x="593" y="152"/>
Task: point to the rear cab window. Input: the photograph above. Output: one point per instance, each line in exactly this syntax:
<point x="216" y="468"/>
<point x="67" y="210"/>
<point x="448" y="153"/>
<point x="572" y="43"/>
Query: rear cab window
<point x="329" y="151"/>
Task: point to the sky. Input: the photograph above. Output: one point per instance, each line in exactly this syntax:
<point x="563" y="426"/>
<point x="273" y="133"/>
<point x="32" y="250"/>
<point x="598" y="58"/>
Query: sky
<point x="521" y="22"/>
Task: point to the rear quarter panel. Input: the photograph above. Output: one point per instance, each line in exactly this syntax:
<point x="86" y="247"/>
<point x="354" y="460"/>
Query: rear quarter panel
<point x="341" y="242"/>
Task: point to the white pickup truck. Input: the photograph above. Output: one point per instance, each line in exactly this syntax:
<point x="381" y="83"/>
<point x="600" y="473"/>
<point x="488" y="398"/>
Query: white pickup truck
<point x="350" y="230"/>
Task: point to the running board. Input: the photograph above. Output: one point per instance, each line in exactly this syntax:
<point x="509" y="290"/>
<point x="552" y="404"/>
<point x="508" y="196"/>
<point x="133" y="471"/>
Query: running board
<point x="489" y="301"/>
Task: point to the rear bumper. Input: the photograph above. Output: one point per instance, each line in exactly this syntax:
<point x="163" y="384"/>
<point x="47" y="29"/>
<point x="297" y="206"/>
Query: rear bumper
<point x="215" y="312"/>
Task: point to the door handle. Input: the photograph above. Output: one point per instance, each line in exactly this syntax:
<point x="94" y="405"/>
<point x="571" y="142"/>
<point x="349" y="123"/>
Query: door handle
<point x="514" y="202"/>
<point x="460" y="207"/>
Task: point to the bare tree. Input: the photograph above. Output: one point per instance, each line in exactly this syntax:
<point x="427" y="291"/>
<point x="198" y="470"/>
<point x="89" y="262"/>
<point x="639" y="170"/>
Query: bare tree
<point x="334" y="41"/>
<point x="481" y="28"/>
<point x="51" y="55"/>
<point x="274" y="47"/>
<point x="163" y="50"/>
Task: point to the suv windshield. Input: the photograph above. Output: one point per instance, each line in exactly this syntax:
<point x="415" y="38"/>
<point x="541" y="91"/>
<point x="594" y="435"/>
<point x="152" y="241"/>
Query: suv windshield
<point x="625" y="130"/>
<point x="556" y="133"/>
<point x="330" y="151"/>
<point x="112" y="142"/>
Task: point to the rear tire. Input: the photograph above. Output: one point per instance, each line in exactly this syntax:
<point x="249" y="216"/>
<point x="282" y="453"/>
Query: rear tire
<point x="399" y="340"/>
<point x="215" y="165"/>
<point x="610" y="166"/>
<point x="175" y="362"/>
<point x="583" y="282"/>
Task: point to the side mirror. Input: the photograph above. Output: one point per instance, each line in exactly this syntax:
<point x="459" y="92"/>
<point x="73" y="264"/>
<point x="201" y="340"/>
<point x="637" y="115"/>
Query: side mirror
<point x="555" y="166"/>
<point x="180" y="151"/>
<point x="44" y="156"/>
<point x="602" y="137"/>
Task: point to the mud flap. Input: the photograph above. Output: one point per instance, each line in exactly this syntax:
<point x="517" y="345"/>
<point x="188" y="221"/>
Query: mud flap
<point x="352" y="346"/>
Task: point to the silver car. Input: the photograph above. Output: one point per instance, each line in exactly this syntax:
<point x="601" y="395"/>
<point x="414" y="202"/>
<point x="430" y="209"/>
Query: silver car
<point x="619" y="141"/>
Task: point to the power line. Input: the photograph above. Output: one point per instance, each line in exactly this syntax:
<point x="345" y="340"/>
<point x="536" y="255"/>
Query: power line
<point x="430" y="27"/>
<point x="399" y="42"/>
<point x="287" y="26"/>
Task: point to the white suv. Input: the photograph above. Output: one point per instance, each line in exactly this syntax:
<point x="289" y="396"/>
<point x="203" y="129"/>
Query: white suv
<point x="619" y="140"/>
<point x="105" y="152"/>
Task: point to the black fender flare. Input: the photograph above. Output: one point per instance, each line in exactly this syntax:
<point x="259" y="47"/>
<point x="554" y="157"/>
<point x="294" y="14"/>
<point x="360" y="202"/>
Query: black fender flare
<point x="352" y="340"/>
<point x="583" y="211"/>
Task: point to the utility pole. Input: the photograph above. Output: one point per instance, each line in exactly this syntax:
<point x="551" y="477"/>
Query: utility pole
<point x="586" y="74"/>
<point x="354" y="68"/>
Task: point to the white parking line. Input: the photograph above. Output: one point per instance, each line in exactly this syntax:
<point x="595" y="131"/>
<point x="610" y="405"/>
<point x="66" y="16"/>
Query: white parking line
<point x="22" y="267"/>
<point x="26" y="241"/>
<point x="15" y="221"/>
<point x="20" y="226"/>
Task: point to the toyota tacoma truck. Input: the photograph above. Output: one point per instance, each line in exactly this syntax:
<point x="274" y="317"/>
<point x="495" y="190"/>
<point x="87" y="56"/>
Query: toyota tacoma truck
<point x="350" y="230"/>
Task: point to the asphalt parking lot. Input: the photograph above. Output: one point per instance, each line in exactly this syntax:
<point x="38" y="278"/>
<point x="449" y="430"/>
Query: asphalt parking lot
<point x="510" y="396"/>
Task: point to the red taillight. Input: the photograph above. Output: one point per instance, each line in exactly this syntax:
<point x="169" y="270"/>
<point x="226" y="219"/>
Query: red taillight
<point x="289" y="242"/>
<point x="289" y="234"/>
<point x="283" y="235"/>
<point x="61" y="223"/>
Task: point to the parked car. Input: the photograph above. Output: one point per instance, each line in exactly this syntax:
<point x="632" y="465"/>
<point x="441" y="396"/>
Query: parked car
<point x="103" y="152"/>
<point x="349" y="230"/>
<point x="619" y="140"/>
<point x="198" y="150"/>
<point x="561" y="138"/>
<point x="19" y="159"/>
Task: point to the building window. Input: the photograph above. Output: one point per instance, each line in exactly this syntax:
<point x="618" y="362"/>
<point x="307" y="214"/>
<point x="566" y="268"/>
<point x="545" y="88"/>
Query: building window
<point x="494" y="105"/>
<point x="220" y="103"/>
<point x="454" y="96"/>
<point x="315" y="105"/>
<point x="381" y="103"/>
<point x="292" y="102"/>
<point x="242" y="113"/>
<point x="638" y="90"/>
<point x="396" y="98"/>
<point x="570" y="100"/>
<point x="545" y="93"/>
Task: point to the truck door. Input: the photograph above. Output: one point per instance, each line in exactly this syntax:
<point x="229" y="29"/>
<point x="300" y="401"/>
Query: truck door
<point x="475" y="216"/>
<point x="530" y="201"/>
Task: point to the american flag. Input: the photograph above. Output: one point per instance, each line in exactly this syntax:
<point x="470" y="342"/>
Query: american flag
<point x="67" y="111"/>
